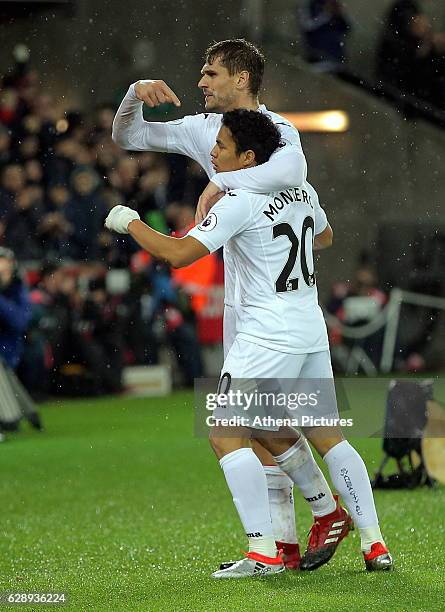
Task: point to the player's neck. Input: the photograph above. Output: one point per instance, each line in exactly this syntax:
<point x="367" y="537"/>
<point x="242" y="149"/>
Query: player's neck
<point x="246" y="102"/>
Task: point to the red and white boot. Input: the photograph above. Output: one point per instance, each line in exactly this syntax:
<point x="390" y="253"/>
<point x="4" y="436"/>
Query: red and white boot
<point x="291" y="555"/>
<point x="378" y="558"/>
<point x="324" y="537"/>
<point x="252" y="565"/>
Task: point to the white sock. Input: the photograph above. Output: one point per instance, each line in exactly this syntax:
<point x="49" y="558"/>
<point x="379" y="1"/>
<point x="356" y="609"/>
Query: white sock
<point x="264" y="546"/>
<point x="350" y="477"/>
<point x="299" y="464"/>
<point x="247" y="482"/>
<point x="368" y="536"/>
<point x="281" y="504"/>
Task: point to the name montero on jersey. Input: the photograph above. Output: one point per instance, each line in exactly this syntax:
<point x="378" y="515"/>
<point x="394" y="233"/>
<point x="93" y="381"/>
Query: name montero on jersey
<point x="295" y="194"/>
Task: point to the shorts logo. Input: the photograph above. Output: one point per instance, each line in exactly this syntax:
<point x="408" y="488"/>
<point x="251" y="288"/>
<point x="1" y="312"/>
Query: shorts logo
<point x="209" y="223"/>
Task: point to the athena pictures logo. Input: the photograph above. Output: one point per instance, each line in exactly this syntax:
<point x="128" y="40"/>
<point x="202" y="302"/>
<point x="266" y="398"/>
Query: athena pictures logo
<point x="209" y="223"/>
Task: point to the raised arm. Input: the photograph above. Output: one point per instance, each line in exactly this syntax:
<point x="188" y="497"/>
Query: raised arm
<point x="132" y="132"/>
<point x="177" y="252"/>
<point x="200" y="241"/>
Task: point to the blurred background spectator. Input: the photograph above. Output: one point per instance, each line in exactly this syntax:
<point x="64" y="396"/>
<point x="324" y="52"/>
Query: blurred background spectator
<point x="15" y="313"/>
<point x="15" y="310"/>
<point x="326" y="27"/>
<point x="411" y="55"/>
<point x="355" y="304"/>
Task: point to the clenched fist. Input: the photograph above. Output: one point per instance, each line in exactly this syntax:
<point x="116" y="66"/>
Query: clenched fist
<point x="154" y="93"/>
<point x="119" y="217"/>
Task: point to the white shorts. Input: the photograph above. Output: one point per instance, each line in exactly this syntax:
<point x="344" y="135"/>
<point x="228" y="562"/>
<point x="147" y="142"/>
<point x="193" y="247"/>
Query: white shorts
<point x="253" y="370"/>
<point x="249" y="360"/>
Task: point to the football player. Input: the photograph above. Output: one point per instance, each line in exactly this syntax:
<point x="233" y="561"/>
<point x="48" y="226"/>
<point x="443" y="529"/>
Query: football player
<point x="231" y="78"/>
<point x="281" y="334"/>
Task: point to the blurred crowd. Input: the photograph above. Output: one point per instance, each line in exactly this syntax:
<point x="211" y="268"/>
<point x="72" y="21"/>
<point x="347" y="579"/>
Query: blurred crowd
<point x="410" y="52"/>
<point x="59" y="175"/>
<point x="90" y="302"/>
<point x="82" y="332"/>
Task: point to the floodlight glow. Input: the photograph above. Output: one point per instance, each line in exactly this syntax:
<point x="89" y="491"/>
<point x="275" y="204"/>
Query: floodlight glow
<point x="324" y="121"/>
<point x="62" y="126"/>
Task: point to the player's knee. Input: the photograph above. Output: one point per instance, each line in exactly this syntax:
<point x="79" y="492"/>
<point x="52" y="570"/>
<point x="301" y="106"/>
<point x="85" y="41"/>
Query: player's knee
<point x="223" y="445"/>
<point x="219" y="445"/>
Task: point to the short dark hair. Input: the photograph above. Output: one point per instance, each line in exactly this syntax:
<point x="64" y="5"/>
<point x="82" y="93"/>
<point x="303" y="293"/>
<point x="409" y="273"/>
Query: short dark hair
<point x="252" y="130"/>
<point x="237" y="55"/>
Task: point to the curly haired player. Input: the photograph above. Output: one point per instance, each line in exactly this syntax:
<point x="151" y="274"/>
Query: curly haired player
<point x="281" y="333"/>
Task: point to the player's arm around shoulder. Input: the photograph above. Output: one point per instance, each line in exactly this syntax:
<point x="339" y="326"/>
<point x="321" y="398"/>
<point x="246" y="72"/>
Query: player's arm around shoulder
<point x="291" y="153"/>
<point x="286" y="168"/>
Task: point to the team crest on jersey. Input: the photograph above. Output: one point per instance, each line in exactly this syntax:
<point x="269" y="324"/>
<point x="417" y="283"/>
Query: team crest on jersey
<point x="209" y="223"/>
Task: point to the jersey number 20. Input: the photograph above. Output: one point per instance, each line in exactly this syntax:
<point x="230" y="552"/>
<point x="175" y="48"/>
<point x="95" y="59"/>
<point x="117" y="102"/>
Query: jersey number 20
<point x="284" y="283"/>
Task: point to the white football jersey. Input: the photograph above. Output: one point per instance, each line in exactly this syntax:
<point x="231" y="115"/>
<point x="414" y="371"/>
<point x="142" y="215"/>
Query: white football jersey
<point x="270" y="237"/>
<point x="195" y="136"/>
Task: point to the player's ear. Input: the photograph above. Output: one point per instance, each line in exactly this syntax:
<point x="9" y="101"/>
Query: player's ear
<point x="243" y="79"/>
<point x="249" y="158"/>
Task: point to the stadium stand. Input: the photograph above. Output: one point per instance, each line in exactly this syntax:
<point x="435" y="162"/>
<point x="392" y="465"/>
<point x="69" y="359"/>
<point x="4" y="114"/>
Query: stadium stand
<point x="59" y="175"/>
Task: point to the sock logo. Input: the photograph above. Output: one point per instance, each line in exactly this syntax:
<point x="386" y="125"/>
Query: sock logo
<point x="315" y="498"/>
<point x="344" y="472"/>
<point x="257" y="534"/>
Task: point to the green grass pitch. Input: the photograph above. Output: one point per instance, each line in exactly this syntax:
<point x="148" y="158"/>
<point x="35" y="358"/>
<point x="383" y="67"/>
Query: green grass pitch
<point x="122" y="507"/>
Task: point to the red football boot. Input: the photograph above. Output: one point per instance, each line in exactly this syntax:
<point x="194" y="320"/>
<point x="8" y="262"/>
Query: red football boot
<point x="325" y="535"/>
<point x="378" y="558"/>
<point x="290" y="554"/>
